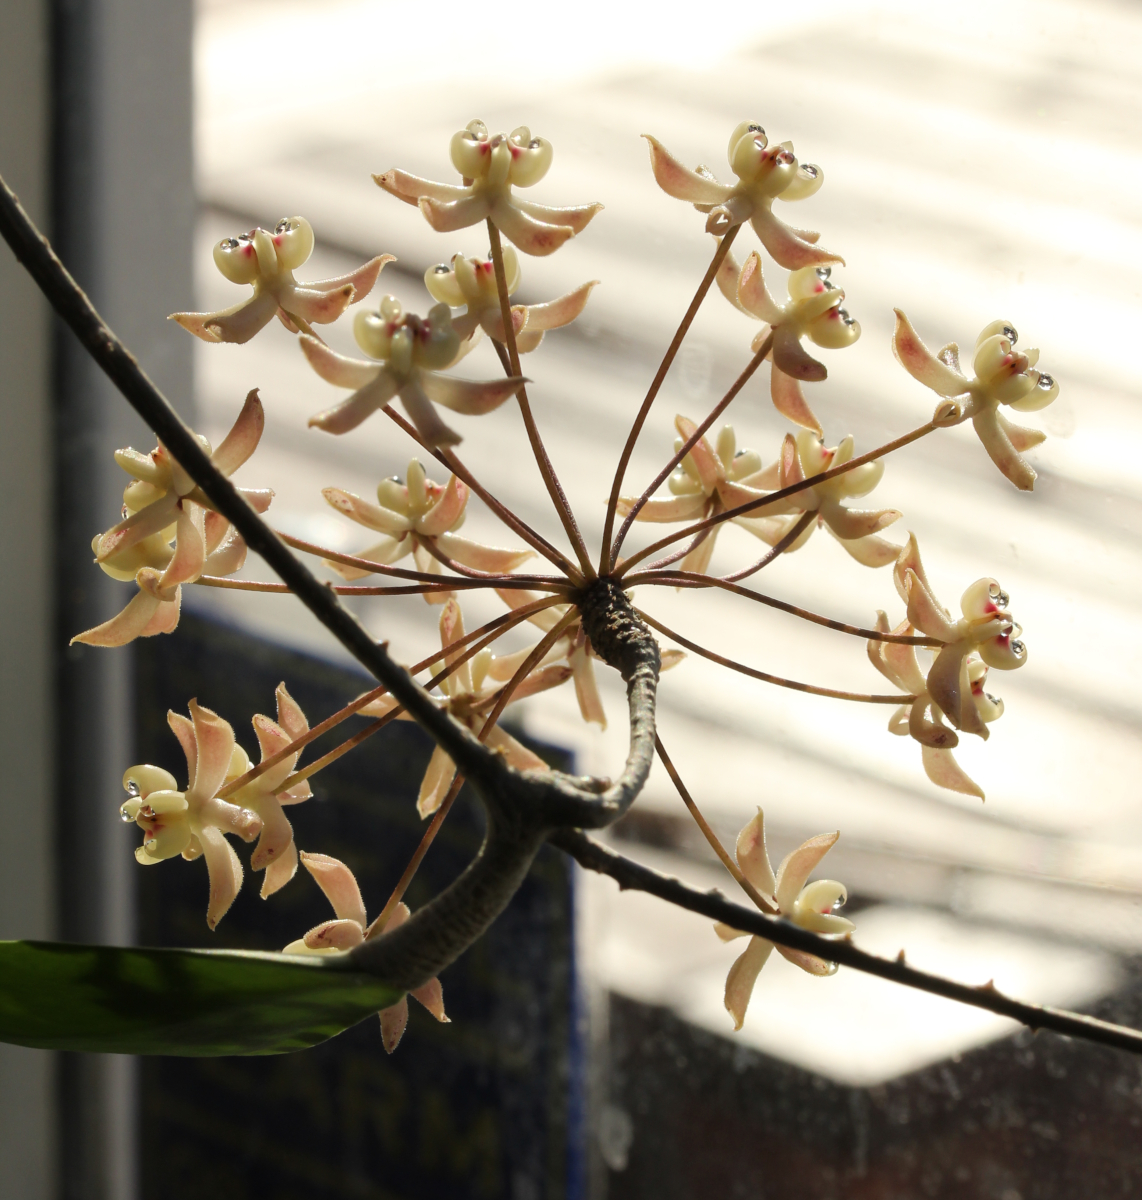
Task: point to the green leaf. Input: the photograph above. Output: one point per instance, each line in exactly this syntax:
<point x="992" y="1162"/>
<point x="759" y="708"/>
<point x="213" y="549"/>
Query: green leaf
<point x="57" y="996"/>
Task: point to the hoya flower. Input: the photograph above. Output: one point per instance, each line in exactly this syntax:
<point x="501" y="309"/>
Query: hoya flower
<point x="411" y="354"/>
<point x="275" y="852"/>
<point x="267" y="261"/>
<point x="470" y="283"/>
<point x="469" y="693"/>
<point x="765" y="173"/>
<point x="490" y="167"/>
<point x="804" y="456"/>
<point x="813" y="311"/>
<point x="810" y="905"/>
<point x="1001" y="375"/>
<point x="985" y="628"/>
<point x="922" y="718"/>
<point x="348" y="930"/>
<point x="170" y="534"/>
<point x="413" y="514"/>
<point x="707" y="481"/>
<point x="192" y="822"/>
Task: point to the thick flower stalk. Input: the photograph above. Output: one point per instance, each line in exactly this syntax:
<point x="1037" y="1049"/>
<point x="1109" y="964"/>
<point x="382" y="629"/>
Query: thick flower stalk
<point x="267" y="261"/>
<point x="986" y="629"/>
<point x="490" y="166"/>
<point x="810" y="905"/>
<point x="418" y="516"/>
<point x="469" y="693"/>
<point x="708" y="481"/>
<point x="349" y="929"/>
<point x="411" y="355"/>
<point x="275" y="853"/>
<point x="802" y="457"/>
<point x="813" y="311"/>
<point x="470" y="283"/>
<point x="922" y="718"/>
<point x="765" y="173"/>
<point x="1001" y="375"/>
<point x="192" y="822"/>
<point x="170" y="534"/>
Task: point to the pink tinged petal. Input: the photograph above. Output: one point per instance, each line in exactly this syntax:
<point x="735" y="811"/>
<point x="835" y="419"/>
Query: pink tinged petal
<point x="698" y="560"/>
<point x="1020" y="437"/>
<point x="923" y="609"/>
<point x="410" y="188"/>
<point x="792" y="358"/>
<point x="901" y="662"/>
<point x="753" y="296"/>
<point x="869" y="551"/>
<point x="337" y="368"/>
<point x="753" y="857"/>
<point x="358" y="407"/>
<point x="541" y="681"/>
<point x="807" y="962"/>
<point x="215" y="528"/>
<point x="701" y="455"/>
<point x="516" y="755"/>
<point x="942" y="769"/>
<point x="214" y="742"/>
<point x="384" y="554"/>
<point x="436" y="782"/>
<point x="790" y="462"/>
<point x="727" y="934"/>
<point x="921" y="363"/>
<point x="393" y="1022"/>
<point x="126" y="625"/>
<point x="225" y="873"/>
<point x="446" y="511"/>
<point x="679" y="181"/>
<point x="243" y="438"/>
<point x="467" y="396"/>
<point x="340" y="887"/>
<point x="587" y="687"/>
<point x="677" y="508"/>
<point x="796" y="867"/>
<point x="364" y="512"/>
<point x="183" y="729"/>
<point x="790" y="401"/>
<point x="431" y="995"/>
<point x="137" y="527"/>
<point x="783" y="244"/>
<point x="557" y="313"/>
<point x="290" y="716"/>
<point x="546" y="618"/>
<point x="727" y="281"/>
<point x="528" y="341"/>
<point x="743" y="975"/>
<point x="276" y="834"/>
<point x="948" y="683"/>
<point x="531" y="236"/>
<point x="228" y="558"/>
<point x="259" y="499"/>
<point x="481" y="558"/>
<point x="190" y="548"/>
<point x="361" y="280"/>
<point x="271" y="739"/>
<point x="445" y="216"/>
<point x="279" y="872"/>
<point x="998" y="445"/>
<point x="929" y="731"/>
<point x="320" y="308"/>
<point x="237" y="324"/>
<point x="343" y="934"/>
<point x="857" y="522"/>
<point x="576" y="217"/>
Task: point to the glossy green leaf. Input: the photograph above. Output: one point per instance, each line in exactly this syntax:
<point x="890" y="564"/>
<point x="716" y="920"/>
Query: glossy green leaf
<point x="188" y="1002"/>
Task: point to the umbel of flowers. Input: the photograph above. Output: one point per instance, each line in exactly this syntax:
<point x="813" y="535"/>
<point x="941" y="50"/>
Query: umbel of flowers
<point x="936" y="660"/>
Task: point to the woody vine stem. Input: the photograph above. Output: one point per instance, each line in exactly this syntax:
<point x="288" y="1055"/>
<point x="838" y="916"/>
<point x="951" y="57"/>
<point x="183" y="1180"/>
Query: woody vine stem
<point x="584" y="608"/>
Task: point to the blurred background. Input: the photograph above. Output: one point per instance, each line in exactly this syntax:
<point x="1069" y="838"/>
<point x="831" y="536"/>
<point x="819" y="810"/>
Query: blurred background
<point x="981" y="161"/>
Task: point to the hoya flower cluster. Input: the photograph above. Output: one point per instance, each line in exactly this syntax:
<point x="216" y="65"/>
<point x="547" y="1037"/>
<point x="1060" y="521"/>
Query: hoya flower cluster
<point x="936" y="660"/>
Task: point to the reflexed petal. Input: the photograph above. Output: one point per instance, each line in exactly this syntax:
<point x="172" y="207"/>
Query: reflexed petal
<point x="431" y="995"/>
<point x="857" y="522"/>
<point x="316" y="307"/>
<point x="436" y="782"/>
<point x="790" y="401"/>
<point x="481" y="558"/>
<point x="279" y="872"/>
<point x="135" y="528"/>
<point x="575" y="216"/>
<point x="743" y="975"/>
<point x="445" y="216"/>
<point x="794" y="871"/>
<point x="339" y="885"/>
<point x="337" y="368"/>
<point x="384" y="554"/>
<point x="228" y="558"/>
<point x="237" y="324"/>
<point x="942" y="769"/>
<point x="410" y="188"/>
<point x="225" y="871"/>
<point x="358" y="407"/>
<point x="214" y="744"/>
<point x="783" y="244"/>
<point x="753" y="857"/>
<point x="557" y="313"/>
<point x="921" y="363"/>
<point x="679" y="181"/>
<point x="125" y="626"/>
<point x="727" y="280"/>
<point x="243" y="438"/>
<point x="727" y="933"/>
<point x="530" y="235"/>
<point x="698" y="560"/>
<point x="1002" y="452"/>
<point x="334" y="935"/>
<point x="869" y="551"/>
<point x="190" y="548"/>
<point x="1020" y="436"/>
<point x="587" y="687"/>
<point x="446" y="511"/>
<point x="393" y="1022"/>
<point x="791" y="357"/>
<point x="677" y="508"/>
<point x="752" y="294"/>
<point x="271" y="739"/>
<point x="515" y="754"/>
<point x="467" y="396"/>
<point x="540" y="680"/>
<point x="948" y="681"/>
<point x="364" y="512"/>
<point x="361" y="280"/>
<point x="546" y="618"/>
<point x="701" y="455"/>
<point x="807" y="962"/>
